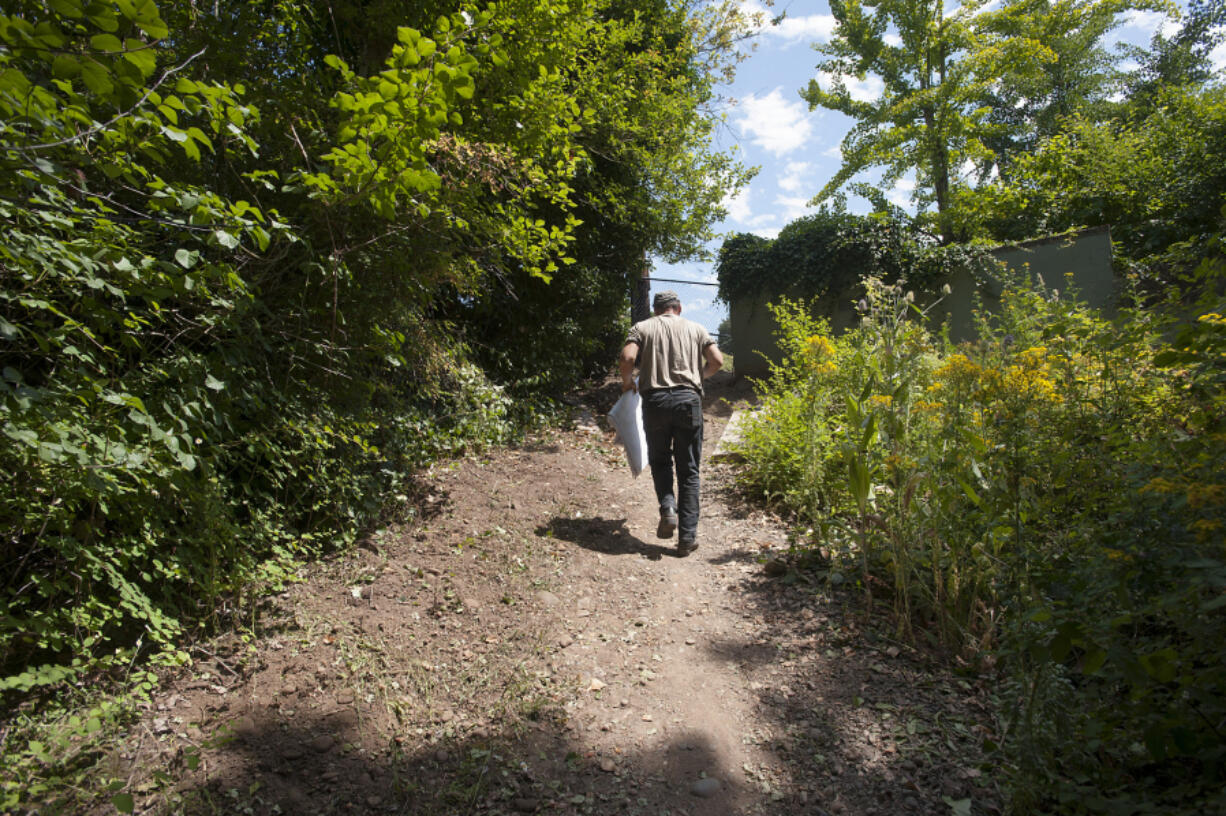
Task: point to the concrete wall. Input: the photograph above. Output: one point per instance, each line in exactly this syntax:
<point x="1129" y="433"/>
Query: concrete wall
<point x="1086" y="256"/>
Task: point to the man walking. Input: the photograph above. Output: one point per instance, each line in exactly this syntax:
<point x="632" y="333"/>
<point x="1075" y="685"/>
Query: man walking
<point x="674" y="355"/>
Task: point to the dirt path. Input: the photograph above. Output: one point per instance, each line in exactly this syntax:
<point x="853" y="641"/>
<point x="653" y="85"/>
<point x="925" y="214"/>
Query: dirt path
<point x="528" y="645"/>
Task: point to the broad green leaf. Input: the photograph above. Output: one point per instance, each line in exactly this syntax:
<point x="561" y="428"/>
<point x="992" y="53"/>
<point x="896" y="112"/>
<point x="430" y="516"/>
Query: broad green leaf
<point x="124" y="802"/>
<point x="153" y="25"/>
<point x="198" y="134"/>
<point x="96" y="77"/>
<point x="65" y="67"/>
<point x="141" y="55"/>
<point x="214" y="383"/>
<point x="105" y="42"/>
<point x="69" y="8"/>
<point x="103" y="16"/>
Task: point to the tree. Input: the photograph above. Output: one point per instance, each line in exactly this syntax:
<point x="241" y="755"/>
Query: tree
<point x="253" y="251"/>
<point x="1043" y="61"/>
<point x="1158" y="182"/>
<point x="924" y="120"/>
<point x="963" y="93"/>
<point x="1179" y="60"/>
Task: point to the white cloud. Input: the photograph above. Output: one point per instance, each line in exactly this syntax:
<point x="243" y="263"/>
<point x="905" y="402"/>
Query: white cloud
<point x="835" y="151"/>
<point x="792" y="30"/>
<point x="892" y="40"/>
<point x="769" y="233"/>
<point x="792" y="177"/>
<point x="774" y="123"/>
<point x="861" y="90"/>
<point x="738" y="206"/>
<point x="1143" y="24"/>
<point x="900" y="193"/>
<point x="792" y="207"/>
<point x="1217" y="57"/>
<point x="815" y="27"/>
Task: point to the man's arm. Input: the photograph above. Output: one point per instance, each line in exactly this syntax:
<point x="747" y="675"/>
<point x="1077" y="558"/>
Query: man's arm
<point x="715" y="361"/>
<point x="625" y="362"/>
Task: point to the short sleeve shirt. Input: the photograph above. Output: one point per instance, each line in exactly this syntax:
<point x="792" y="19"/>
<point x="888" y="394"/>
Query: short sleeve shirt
<point x="672" y="352"/>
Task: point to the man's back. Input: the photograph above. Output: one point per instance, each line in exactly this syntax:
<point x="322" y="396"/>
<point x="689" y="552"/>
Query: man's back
<point x="672" y="352"/>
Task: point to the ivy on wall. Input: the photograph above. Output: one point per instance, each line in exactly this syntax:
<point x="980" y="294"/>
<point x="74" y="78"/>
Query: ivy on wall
<point x="827" y="254"/>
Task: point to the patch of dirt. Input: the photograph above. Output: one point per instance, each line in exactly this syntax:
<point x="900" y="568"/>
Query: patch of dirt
<point x="532" y="647"/>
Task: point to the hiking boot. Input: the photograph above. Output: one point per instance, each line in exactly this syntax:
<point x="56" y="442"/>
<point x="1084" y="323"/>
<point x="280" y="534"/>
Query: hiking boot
<point x="668" y="523"/>
<point x="686" y="547"/>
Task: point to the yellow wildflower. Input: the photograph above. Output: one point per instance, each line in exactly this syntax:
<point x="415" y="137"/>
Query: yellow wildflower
<point x="883" y="401"/>
<point x="1161" y="484"/>
<point x="821" y="354"/>
<point x="1200" y="495"/>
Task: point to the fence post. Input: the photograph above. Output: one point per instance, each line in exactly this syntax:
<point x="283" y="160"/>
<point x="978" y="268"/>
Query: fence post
<point x="640" y="294"/>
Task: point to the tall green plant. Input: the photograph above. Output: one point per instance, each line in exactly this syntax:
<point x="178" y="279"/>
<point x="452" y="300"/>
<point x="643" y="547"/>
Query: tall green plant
<point x="1051" y="492"/>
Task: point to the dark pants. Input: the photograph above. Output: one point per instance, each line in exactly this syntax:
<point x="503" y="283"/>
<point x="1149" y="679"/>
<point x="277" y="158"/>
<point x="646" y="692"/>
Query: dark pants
<point x="672" y="422"/>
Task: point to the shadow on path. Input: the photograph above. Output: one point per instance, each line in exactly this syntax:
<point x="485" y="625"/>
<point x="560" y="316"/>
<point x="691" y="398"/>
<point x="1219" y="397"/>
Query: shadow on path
<point x="328" y="763"/>
<point x="605" y="536"/>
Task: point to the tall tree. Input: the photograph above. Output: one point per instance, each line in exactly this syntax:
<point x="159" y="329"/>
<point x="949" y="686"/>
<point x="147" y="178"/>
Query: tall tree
<point x="963" y="92"/>
<point x="924" y="120"/>
<point x="1179" y="60"/>
<point x="1044" y="61"/>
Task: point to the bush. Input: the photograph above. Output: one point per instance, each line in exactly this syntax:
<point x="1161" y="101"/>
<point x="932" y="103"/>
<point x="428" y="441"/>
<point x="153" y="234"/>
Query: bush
<point x="1053" y="493"/>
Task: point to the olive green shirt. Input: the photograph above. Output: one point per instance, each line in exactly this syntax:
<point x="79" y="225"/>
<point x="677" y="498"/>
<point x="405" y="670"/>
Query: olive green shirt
<point x="671" y="351"/>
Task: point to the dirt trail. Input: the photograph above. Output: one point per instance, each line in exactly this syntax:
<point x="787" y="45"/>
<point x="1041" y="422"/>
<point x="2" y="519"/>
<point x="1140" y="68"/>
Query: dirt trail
<point x="528" y="645"/>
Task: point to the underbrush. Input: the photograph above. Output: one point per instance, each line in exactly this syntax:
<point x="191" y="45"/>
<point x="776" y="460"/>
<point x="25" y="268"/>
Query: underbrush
<point x="131" y="533"/>
<point x="1049" y="500"/>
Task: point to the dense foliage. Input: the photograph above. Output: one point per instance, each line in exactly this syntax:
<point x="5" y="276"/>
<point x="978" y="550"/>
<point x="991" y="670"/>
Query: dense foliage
<point x="969" y="94"/>
<point x="825" y="257"/>
<point x="1048" y="501"/>
<point x="262" y="260"/>
<point x="1053" y="495"/>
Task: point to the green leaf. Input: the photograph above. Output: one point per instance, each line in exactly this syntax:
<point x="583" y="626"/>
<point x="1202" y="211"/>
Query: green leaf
<point x="212" y="382"/>
<point x="142" y="56"/>
<point x="185" y="258"/>
<point x="124" y="802"/>
<point x="957" y="807"/>
<point x="96" y="77"/>
<point x="103" y="16"/>
<point x="153" y="25"/>
<point x="106" y="42"/>
<point x="65" y="67"/>
<point x="69" y="8"/>
<point x="969" y="491"/>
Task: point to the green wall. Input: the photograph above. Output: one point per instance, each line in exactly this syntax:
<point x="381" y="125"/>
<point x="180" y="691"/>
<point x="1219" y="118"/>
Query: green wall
<point x="1084" y="258"/>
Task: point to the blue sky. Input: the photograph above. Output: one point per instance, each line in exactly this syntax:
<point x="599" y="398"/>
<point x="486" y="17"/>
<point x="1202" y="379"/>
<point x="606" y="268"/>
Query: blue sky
<point x="768" y="125"/>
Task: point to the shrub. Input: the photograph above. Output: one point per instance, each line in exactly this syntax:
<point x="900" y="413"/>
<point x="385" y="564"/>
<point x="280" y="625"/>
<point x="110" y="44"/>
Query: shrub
<point x="1054" y="493"/>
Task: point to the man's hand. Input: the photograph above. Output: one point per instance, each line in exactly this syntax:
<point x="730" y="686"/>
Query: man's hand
<point x="629" y="385"/>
